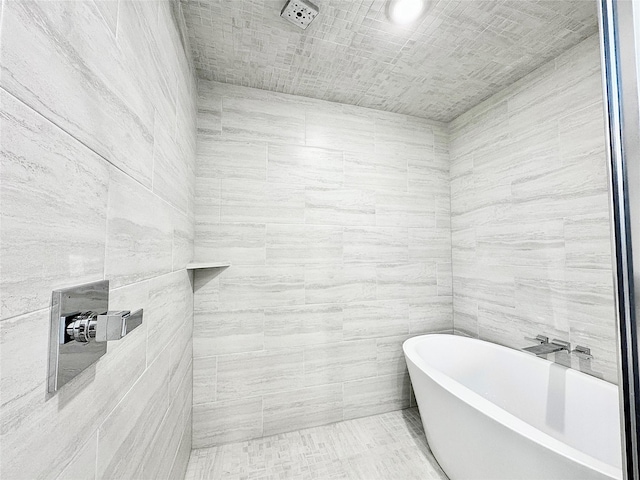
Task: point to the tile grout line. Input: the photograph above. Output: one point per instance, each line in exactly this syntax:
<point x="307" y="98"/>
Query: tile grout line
<point x="41" y="115"/>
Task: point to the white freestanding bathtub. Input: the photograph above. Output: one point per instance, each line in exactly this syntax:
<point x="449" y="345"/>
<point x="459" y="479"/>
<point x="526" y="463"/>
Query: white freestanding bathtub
<point x="491" y="412"/>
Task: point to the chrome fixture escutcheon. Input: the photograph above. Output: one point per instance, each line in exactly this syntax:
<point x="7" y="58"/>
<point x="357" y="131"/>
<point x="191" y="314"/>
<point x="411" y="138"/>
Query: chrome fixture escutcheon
<point x="81" y="326"/>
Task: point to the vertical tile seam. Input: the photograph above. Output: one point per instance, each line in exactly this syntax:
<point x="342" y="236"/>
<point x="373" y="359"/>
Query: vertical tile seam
<point x="449" y="156"/>
<point x="95" y="473"/>
<point x="215" y="390"/>
<point x="175" y="456"/>
<point x="106" y="229"/>
<point x="1" y="17"/>
<point x="133" y="385"/>
<point x="155" y="147"/>
<point x="117" y="24"/>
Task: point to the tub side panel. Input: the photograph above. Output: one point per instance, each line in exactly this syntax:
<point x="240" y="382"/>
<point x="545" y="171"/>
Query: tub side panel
<point x="469" y="444"/>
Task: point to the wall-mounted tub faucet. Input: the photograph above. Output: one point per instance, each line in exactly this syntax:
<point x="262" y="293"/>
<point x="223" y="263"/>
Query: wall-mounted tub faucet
<point x="545" y="347"/>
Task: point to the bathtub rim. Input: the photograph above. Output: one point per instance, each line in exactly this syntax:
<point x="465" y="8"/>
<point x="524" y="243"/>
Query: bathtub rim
<point x="502" y="416"/>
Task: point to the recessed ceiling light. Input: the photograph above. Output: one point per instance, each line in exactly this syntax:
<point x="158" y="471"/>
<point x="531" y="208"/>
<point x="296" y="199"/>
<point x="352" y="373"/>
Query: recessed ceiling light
<point x="404" y="12"/>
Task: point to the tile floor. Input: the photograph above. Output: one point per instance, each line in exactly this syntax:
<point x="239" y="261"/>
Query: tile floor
<point x="382" y="447"/>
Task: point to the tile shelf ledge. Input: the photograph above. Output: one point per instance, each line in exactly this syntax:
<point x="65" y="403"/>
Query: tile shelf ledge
<point x="201" y="265"/>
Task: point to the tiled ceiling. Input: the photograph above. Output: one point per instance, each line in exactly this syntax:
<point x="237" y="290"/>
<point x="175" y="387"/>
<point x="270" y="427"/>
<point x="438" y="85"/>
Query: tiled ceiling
<point x="461" y="52"/>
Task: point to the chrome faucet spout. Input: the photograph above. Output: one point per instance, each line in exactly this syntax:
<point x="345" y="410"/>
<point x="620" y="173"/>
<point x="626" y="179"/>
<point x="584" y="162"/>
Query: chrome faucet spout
<point x="547" y="348"/>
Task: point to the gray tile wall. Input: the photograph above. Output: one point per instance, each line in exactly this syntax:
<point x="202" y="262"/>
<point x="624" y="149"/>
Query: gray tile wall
<point x="530" y="219"/>
<point x="336" y="221"/>
<point x="98" y="159"/>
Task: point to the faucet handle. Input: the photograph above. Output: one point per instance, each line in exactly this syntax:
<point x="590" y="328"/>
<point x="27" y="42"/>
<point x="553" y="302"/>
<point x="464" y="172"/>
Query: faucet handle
<point x="582" y="352"/>
<point x="113" y="325"/>
<point x="538" y="338"/>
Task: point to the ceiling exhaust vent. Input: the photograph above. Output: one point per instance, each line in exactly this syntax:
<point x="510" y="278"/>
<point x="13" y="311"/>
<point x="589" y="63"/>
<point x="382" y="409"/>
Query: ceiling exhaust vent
<point x="299" y="12"/>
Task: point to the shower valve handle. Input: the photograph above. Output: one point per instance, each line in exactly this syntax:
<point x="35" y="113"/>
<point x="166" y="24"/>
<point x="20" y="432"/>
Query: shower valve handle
<point x="85" y="327"/>
<point x="114" y="325"/>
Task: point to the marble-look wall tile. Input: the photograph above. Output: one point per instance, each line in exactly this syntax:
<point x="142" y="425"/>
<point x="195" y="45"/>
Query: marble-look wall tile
<point x="431" y="315"/>
<point x="181" y="348"/>
<point x="406" y="280"/>
<point x="262" y="286"/>
<point x="339" y="362"/>
<point x="261" y="119"/>
<point x="428" y="244"/>
<point x="376" y="244"/>
<point x="371" y="396"/>
<point x="390" y="355"/>
<point x="128" y="431"/>
<point x="220" y="332"/>
<point x="206" y="289"/>
<point x="308" y="166"/>
<point x="257" y="373"/>
<point x="83" y="464"/>
<point x="580" y="135"/>
<point x="521" y="244"/>
<point x="376" y="319"/>
<point x="444" y="274"/>
<point x="588" y="241"/>
<point x="171" y="180"/>
<point x="339" y="283"/>
<point x="288" y="327"/>
<point x="90" y="93"/>
<point x="260" y="202"/>
<point x="494" y="286"/>
<point x="375" y="171"/>
<point x="562" y="296"/>
<point x="205" y="373"/>
<point x="339" y="207"/>
<point x="98" y="166"/>
<point x="402" y="134"/>
<point x="227" y="421"/>
<point x="140" y="239"/>
<point x="428" y="174"/>
<point x="465" y="317"/>
<point x="338" y="254"/>
<point x="170" y="304"/>
<point x="302" y="408"/>
<point x="207" y="202"/>
<point x="44" y="174"/>
<point x="530" y="221"/>
<point x="181" y="460"/>
<point x="236" y="243"/>
<point x="209" y="110"/>
<point x="232" y="159"/>
<point x="141" y="42"/>
<point x="570" y="179"/>
<point x="23" y="369"/>
<point x="443" y="211"/>
<point x="303" y="244"/>
<point x="341" y="127"/>
<point x="183" y="239"/>
<point x="159" y="459"/>
<point x="109" y="11"/>
<point x="405" y="210"/>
